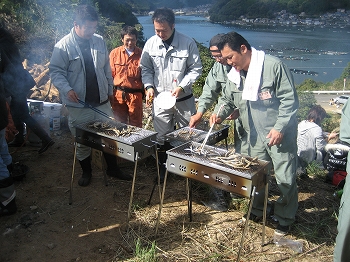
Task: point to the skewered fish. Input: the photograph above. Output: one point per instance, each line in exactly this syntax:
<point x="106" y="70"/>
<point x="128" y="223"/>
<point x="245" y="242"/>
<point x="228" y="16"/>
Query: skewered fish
<point x="236" y="161"/>
<point x="106" y="127"/>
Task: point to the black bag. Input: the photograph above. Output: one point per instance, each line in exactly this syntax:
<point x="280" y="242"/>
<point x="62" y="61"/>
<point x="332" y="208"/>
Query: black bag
<point x="336" y="157"/>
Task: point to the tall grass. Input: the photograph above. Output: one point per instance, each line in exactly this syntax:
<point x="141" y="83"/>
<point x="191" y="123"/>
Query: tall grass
<point x="145" y="253"/>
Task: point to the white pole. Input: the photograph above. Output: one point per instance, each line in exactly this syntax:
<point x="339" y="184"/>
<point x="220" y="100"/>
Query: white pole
<point x="344" y="84"/>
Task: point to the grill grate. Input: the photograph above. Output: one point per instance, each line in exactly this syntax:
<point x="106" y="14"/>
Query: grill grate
<point x="201" y="167"/>
<point x="198" y="134"/>
<point x="109" y="129"/>
<point x="103" y="136"/>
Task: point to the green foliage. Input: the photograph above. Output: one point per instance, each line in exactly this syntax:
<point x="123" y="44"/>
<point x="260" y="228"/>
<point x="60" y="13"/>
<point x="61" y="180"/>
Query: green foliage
<point x="116" y="12"/>
<point x="331" y="122"/>
<point x="207" y="63"/>
<point x="145" y="254"/>
<point x="228" y="10"/>
<point x="39" y="24"/>
<point x="346" y="72"/>
<point x="306" y="101"/>
<point x="316" y="170"/>
<point x="308" y="85"/>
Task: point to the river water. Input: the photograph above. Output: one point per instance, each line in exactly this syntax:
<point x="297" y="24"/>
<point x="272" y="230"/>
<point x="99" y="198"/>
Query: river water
<point x="323" y="51"/>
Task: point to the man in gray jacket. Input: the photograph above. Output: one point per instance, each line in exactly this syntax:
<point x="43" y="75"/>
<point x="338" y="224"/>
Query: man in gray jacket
<point x="170" y="62"/>
<point x="80" y="69"/>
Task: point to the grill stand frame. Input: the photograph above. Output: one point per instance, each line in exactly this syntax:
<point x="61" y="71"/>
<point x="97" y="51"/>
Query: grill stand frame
<point x="251" y="199"/>
<point x="154" y="146"/>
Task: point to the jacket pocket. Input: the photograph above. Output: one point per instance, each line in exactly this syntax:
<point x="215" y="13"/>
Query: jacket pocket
<point x="100" y="59"/>
<point x="156" y="58"/>
<point x="75" y="64"/>
<point x="178" y="60"/>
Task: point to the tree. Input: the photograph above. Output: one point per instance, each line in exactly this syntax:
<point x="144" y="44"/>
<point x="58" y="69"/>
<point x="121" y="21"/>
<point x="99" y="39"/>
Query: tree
<point x="306" y="101"/>
<point x="346" y="72"/>
<point x="207" y="63"/>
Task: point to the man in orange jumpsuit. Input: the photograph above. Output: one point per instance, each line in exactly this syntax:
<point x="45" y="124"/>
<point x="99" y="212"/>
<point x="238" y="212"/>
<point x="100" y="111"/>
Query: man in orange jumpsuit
<point x="126" y="72"/>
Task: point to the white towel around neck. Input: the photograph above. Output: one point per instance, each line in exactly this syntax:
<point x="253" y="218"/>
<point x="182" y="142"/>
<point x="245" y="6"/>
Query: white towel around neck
<point x="252" y="81"/>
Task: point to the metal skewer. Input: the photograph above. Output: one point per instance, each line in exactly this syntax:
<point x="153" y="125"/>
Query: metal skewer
<point x="207" y="136"/>
<point x="96" y="110"/>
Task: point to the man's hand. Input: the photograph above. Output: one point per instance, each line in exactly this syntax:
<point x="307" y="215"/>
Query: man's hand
<point x="195" y="119"/>
<point x="72" y="96"/>
<point x="275" y="137"/>
<point x="234" y="115"/>
<point x="176" y="91"/>
<point x="149" y="96"/>
<point x="214" y="119"/>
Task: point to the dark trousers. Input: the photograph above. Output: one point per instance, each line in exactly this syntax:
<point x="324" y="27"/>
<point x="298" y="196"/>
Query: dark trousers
<point x="20" y="115"/>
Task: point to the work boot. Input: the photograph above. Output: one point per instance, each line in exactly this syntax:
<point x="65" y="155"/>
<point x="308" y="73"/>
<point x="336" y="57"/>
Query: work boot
<point x="45" y="146"/>
<point x="37" y="129"/>
<point x="18" y="141"/>
<point x="7" y="197"/>
<point x="86" y="177"/>
<point x="113" y="169"/>
<point x="162" y="157"/>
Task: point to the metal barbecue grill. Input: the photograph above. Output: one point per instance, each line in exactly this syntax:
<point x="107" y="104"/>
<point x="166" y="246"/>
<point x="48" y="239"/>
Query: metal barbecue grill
<point x="203" y="165"/>
<point x="125" y="145"/>
<point x="115" y="138"/>
<point x="198" y="134"/>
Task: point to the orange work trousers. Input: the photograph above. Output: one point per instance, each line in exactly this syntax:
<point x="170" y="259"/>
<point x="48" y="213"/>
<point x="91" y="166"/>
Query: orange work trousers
<point x="127" y="107"/>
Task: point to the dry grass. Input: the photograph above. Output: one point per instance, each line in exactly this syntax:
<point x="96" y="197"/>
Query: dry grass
<point x="215" y="236"/>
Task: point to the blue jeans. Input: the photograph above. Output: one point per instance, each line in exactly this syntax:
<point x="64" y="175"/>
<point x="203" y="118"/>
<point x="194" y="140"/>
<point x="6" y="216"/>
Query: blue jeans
<point x="5" y="158"/>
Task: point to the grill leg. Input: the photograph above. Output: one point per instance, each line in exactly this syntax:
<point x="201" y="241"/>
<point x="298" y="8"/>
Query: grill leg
<point x="246" y="223"/>
<point x="133" y="186"/>
<point x="265" y="210"/>
<point x="161" y="201"/>
<point x="189" y="197"/>
<point x="158" y="180"/>
<point x="73" y="170"/>
<point x="150" y="197"/>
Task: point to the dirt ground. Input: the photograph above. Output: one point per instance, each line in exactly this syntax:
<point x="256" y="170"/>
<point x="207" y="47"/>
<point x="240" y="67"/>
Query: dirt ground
<point x="95" y="226"/>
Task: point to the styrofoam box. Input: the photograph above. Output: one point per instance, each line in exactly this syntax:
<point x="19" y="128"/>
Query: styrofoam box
<point x="52" y="109"/>
<point x="53" y="112"/>
<point x="56" y="123"/>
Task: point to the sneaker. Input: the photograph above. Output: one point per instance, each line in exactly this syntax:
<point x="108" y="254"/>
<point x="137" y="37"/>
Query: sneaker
<point x="46" y="146"/>
<point x="119" y="174"/>
<point x="282" y="230"/>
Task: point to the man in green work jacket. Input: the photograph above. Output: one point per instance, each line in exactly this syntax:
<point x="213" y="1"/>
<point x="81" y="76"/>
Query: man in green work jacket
<point x="341" y="250"/>
<point x="214" y="83"/>
<point x="263" y="90"/>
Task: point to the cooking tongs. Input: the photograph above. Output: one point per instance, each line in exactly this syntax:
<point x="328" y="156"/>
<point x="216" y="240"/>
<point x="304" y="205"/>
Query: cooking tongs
<point x="207" y="136"/>
<point x="96" y="110"/>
